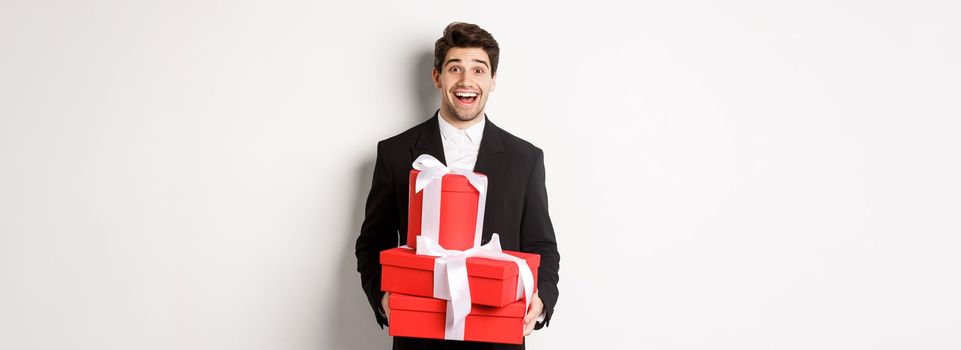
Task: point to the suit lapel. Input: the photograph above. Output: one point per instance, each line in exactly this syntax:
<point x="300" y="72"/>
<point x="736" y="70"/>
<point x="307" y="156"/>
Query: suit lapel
<point x="428" y="141"/>
<point x="490" y="156"/>
<point x="491" y="161"/>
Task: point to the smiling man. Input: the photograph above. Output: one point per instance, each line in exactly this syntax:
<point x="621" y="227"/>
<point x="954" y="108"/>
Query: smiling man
<point x="461" y="135"/>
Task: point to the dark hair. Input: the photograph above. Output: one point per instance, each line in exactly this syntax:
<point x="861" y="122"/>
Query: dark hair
<point x="465" y="35"/>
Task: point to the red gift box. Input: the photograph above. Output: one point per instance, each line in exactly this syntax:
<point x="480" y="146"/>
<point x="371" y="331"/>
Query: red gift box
<point x="418" y="317"/>
<point x="458" y="212"/>
<point x="491" y="282"/>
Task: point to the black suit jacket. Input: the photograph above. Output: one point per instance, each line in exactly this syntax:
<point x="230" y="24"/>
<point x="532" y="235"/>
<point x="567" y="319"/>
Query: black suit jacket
<point x="516" y="210"/>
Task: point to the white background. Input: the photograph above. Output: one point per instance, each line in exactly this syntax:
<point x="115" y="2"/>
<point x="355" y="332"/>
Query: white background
<point x="723" y="175"/>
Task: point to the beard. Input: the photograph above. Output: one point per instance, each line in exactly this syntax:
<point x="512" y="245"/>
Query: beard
<point x="461" y="114"/>
<point x="465" y="116"/>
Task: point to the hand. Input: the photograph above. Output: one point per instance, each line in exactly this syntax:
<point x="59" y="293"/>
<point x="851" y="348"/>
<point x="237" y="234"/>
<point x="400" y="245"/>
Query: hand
<point x="385" y="302"/>
<point x="533" y="312"/>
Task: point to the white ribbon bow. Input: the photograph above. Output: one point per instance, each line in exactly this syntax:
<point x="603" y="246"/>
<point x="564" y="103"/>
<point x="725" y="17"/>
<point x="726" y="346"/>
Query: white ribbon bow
<point x="450" y="278"/>
<point x="429" y="180"/>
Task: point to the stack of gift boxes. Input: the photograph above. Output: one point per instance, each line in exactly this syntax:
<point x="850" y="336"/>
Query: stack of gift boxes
<point x="431" y="295"/>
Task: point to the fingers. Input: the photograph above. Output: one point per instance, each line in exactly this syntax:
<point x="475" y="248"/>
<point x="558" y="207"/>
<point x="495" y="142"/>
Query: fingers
<point x="385" y="303"/>
<point x="528" y="328"/>
<point x="536" y="307"/>
<point x="532" y="314"/>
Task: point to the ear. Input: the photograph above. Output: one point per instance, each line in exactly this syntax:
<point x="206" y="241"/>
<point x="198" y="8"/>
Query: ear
<point x="435" y="74"/>
<point x="493" y="82"/>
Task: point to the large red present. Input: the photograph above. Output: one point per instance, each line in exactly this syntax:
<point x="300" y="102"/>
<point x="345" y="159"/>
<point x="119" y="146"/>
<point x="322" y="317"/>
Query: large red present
<point x="446" y="205"/>
<point x="492" y="282"/>
<point x="418" y="317"/>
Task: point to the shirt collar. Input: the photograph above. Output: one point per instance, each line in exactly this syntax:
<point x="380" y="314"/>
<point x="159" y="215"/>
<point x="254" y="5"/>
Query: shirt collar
<point x="474" y="132"/>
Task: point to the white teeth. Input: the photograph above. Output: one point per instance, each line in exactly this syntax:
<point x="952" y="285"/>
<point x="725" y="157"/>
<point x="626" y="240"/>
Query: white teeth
<point x="465" y="94"/>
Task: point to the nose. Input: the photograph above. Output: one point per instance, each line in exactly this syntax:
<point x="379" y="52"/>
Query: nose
<point x="464" y="81"/>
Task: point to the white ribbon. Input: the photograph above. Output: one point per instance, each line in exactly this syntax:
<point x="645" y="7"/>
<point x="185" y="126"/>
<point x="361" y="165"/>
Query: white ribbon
<point x="429" y="180"/>
<point x="450" y="278"/>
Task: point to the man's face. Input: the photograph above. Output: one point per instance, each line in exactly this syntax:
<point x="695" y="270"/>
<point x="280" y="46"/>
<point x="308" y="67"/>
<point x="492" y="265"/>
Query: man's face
<point x="464" y="81"/>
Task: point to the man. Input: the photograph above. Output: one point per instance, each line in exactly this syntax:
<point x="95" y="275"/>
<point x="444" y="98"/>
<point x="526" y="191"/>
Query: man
<point x="460" y="135"/>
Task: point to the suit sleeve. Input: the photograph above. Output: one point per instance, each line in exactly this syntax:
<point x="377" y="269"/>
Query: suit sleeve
<point x="537" y="236"/>
<point x="378" y="232"/>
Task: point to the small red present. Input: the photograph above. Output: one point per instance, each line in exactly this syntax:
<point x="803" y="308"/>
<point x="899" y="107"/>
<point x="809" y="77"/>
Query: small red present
<point x="418" y="317"/>
<point x="492" y="282"/>
<point x="445" y="204"/>
<point x="458" y="212"/>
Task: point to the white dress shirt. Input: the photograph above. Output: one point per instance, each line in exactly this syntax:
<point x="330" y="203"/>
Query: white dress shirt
<point x="461" y="146"/>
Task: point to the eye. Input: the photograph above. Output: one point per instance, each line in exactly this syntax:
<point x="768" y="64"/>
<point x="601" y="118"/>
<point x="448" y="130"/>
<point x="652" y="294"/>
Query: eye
<point x="454" y="69"/>
<point x="479" y="71"/>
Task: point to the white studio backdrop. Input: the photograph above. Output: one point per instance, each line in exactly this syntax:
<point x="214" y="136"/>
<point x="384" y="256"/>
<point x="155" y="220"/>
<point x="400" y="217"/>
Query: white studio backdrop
<point x="723" y="175"/>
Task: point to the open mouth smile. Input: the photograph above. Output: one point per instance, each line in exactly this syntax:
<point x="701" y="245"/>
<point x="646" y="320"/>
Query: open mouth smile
<point x="466" y="98"/>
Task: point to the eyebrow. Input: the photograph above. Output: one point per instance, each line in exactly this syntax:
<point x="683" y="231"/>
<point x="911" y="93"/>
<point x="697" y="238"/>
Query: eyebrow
<point x="458" y="60"/>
